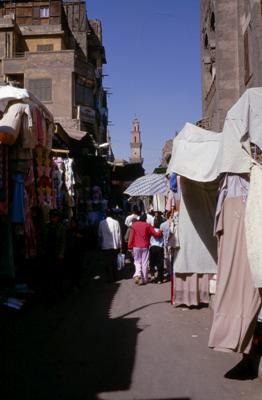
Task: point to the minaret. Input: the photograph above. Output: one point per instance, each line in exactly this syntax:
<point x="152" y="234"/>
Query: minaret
<point x="136" y="144"/>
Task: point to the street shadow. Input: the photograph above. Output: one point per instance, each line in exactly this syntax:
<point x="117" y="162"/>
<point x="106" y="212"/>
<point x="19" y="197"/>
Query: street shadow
<point x="71" y="350"/>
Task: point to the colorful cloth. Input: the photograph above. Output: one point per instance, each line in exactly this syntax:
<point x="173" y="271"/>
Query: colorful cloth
<point x="18" y="202"/>
<point x="140" y="235"/>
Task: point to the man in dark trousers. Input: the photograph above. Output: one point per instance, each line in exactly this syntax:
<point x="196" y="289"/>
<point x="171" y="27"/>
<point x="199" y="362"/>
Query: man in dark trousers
<point x="110" y="238"/>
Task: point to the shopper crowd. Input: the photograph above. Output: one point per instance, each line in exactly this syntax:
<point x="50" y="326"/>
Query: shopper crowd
<point x="146" y="240"/>
<point x="149" y="239"/>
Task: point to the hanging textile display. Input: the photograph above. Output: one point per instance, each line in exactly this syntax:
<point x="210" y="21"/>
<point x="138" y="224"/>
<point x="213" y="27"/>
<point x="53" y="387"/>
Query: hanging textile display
<point x="196" y="216"/>
<point x="26" y="131"/>
<point x="44" y="184"/>
<point x="63" y="184"/>
<point x="30" y="203"/>
<point x="18" y="201"/>
<point x="253" y="223"/>
<point x="237" y="301"/>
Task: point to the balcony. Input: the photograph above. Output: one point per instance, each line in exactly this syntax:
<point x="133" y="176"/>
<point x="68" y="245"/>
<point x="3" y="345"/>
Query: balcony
<point x="40" y="30"/>
<point x="65" y="59"/>
<point x="22" y="62"/>
<point x="14" y="65"/>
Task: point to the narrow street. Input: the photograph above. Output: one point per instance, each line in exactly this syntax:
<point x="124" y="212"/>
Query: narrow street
<point x="117" y="342"/>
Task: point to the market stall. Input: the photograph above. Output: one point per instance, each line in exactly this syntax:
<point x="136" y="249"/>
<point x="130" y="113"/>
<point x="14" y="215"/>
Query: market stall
<point x="238" y="227"/>
<point x="26" y="185"/>
<point x="231" y="159"/>
<point x="194" y="156"/>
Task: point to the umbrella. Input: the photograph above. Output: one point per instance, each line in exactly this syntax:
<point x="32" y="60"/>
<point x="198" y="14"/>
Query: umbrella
<point x="147" y="185"/>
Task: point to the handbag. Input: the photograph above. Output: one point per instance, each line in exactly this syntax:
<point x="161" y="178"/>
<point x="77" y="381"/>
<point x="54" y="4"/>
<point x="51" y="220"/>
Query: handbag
<point x="120" y="261"/>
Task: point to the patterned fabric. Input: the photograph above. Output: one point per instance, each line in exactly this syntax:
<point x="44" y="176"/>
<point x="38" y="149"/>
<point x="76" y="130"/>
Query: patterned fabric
<point x="147" y="185"/>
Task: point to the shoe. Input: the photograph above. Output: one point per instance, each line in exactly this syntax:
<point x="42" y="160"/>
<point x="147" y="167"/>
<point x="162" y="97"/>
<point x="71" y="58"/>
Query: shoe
<point x="137" y="279"/>
<point x="244" y="370"/>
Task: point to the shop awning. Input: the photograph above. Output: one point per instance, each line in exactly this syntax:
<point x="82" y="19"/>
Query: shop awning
<point x="195" y="154"/>
<point x="76" y="134"/>
<point x="147" y="185"/>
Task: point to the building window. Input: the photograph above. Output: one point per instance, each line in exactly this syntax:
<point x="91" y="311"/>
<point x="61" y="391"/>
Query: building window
<point x="83" y="94"/>
<point x="45" y="47"/>
<point x="41" y="88"/>
<point x="44" y="12"/>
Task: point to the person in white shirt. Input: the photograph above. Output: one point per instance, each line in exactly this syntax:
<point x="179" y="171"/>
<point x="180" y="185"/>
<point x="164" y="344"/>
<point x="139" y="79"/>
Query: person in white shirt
<point x="150" y="217"/>
<point x="110" y="239"/>
<point x="156" y="254"/>
<point x="135" y="215"/>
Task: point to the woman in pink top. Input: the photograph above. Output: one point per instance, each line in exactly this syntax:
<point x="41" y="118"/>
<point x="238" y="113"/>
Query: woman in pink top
<point x="139" y="242"/>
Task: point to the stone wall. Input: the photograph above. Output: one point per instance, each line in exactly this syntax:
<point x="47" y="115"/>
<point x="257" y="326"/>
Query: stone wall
<point x="231" y="42"/>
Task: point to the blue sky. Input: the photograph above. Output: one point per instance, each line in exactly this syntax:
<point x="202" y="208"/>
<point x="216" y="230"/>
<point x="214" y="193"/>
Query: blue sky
<point x="153" y="68"/>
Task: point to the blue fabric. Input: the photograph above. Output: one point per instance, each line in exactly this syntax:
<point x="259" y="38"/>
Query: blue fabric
<point x="18" y="203"/>
<point x="173" y="182"/>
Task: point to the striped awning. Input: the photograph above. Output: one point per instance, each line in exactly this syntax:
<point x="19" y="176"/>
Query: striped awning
<point x="147" y="185"/>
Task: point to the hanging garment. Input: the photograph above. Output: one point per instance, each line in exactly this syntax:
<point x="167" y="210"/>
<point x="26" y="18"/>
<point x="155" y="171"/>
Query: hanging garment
<point x="196" y="257"/>
<point x="27" y="132"/>
<point x="173" y="182"/>
<point x="198" y="247"/>
<point x="10" y="123"/>
<point x="11" y="93"/>
<point x="253" y="224"/>
<point x="30" y="198"/>
<point x="191" y="289"/>
<point x="237" y="302"/>
<point x="18" y="201"/>
<point x="170" y="201"/>
<point x="50" y="133"/>
<point x="44" y="181"/>
<point x="41" y="134"/>
<point x="159" y="202"/>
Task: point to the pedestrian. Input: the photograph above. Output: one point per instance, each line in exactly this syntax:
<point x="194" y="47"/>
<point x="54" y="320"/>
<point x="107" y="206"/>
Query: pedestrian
<point x="171" y="240"/>
<point x="135" y="214"/>
<point x="128" y="231"/>
<point x="156" y="254"/>
<point x="139" y="242"/>
<point x="150" y="216"/>
<point x="54" y="254"/>
<point x="159" y="216"/>
<point x="110" y="240"/>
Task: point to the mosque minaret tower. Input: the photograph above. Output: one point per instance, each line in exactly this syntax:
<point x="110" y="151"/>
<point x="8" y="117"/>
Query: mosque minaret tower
<point x="136" y="144"/>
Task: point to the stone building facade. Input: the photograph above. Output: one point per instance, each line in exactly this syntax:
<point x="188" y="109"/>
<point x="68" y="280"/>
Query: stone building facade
<point x="51" y="48"/>
<point x="231" y="44"/>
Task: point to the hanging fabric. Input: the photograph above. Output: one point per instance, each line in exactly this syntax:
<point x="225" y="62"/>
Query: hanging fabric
<point x="18" y="202"/>
<point x="253" y="223"/>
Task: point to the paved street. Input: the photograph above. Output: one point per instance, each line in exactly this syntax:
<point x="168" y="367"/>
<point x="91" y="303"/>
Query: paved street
<point x="118" y="342"/>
